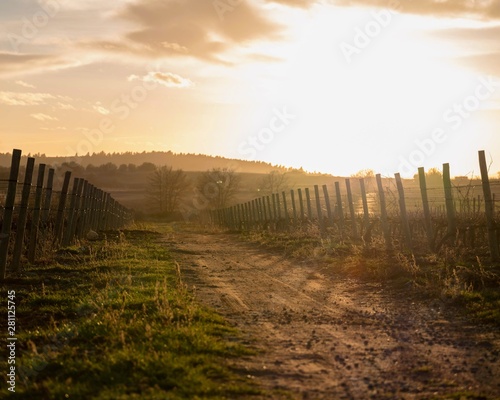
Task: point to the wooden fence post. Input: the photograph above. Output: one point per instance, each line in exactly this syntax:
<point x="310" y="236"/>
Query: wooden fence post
<point x="9" y="211"/>
<point x="278" y="205"/>
<point x="285" y="209"/>
<point x="71" y="214"/>
<point x="294" y="208"/>
<point x="96" y="209"/>
<point x="301" y="204"/>
<point x="82" y="211"/>
<point x="450" y="206"/>
<point x="240" y="217"/>
<point x="309" y="208"/>
<point x="262" y="202"/>
<point x="60" y="210"/>
<point x="258" y="212"/>
<point x="37" y="209"/>
<point x="427" y="211"/>
<point x="23" y="215"/>
<point x="77" y="210"/>
<point x="275" y="210"/>
<point x="366" y="214"/>
<point x="258" y="209"/>
<point x="248" y="221"/>
<point x="339" y="207"/>
<point x="383" y="213"/>
<point x="271" y="214"/>
<point x="328" y="205"/>
<point x="354" y="228"/>
<point x="254" y="213"/>
<point x="88" y="211"/>
<point x="488" y="206"/>
<point x="229" y="217"/>
<point x="318" y="209"/>
<point x="404" y="216"/>
<point x="102" y="211"/>
<point x="48" y="196"/>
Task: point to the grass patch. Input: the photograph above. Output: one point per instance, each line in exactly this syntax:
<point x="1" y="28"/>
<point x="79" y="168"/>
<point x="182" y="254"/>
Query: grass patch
<point x="452" y="276"/>
<point x="118" y="323"/>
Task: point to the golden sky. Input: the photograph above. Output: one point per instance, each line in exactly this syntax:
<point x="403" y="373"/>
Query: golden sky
<point x="330" y="85"/>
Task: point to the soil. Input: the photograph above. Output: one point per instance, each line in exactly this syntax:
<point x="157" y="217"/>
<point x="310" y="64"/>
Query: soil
<point x="323" y="336"/>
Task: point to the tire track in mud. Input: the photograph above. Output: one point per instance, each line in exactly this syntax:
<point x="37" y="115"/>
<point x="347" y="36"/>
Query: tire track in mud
<point x="327" y="337"/>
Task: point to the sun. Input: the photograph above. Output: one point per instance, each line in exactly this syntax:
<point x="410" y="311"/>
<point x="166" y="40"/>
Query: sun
<point x="367" y="111"/>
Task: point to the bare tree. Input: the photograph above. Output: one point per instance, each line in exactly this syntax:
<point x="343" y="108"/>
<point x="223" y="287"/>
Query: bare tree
<point x="364" y="173"/>
<point x="274" y="182"/>
<point x="167" y="187"/>
<point x="218" y="186"/>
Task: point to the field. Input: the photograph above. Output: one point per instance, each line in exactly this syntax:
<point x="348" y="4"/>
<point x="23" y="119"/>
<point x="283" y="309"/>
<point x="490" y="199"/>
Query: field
<point x="381" y="288"/>
<point x="178" y="311"/>
<point x="115" y="320"/>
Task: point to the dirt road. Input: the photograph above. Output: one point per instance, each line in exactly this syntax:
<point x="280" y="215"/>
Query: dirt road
<point x="325" y="337"/>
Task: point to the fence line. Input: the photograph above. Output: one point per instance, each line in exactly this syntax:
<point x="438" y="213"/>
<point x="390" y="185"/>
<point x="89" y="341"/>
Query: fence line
<point x="34" y="221"/>
<point x="408" y="217"/>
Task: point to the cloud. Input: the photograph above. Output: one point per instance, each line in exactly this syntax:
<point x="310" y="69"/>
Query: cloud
<point x="24" y="84"/>
<point x="43" y="117"/>
<point x="166" y="79"/>
<point x="65" y="106"/>
<point x="265" y="58"/>
<point x="24" y="99"/>
<point x="100" y="109"/>
<point x="17" y="64"/>
<point x="479" y="39"/>
<point x="57" y="128"/>
<point x="488" y="63"/>
<point x="195" y="28"/>
<point x="483" y="53"/>
<point x="487" y="9"/>
<point x="294" y="3"/>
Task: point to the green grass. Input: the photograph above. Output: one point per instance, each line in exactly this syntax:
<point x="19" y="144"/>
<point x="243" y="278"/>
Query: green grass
<point x="117" y="322"/>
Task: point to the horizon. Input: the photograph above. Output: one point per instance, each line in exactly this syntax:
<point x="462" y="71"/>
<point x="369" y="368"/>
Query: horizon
<point x="332" y="86"/>
<point x="358" y="174"/>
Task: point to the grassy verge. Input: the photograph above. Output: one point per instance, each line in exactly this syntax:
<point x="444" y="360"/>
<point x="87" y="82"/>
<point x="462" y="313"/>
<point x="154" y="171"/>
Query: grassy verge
<point x="114" y="321"/>
<point x="454" y="277"/>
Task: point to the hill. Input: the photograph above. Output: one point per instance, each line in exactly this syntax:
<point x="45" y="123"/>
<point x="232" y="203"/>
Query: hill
<point x="186" y="162"/>
<point x="127" y="175"/>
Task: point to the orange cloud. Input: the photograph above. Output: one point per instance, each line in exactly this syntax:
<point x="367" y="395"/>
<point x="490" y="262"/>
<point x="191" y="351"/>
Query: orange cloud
<point x="488" y="9"/>
<point x="16" y="64"/>
<point x="166" y="79"/>
<point x="24" y="99"/>
<point x="43" y="117"/>
<point x="485" y="56"/>
<point x="190" y="28"/>
<point x="294" y="3"/>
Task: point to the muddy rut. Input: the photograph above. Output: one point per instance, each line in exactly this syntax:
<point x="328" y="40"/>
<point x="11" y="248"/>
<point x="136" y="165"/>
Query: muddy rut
<point x="326" y="337"/>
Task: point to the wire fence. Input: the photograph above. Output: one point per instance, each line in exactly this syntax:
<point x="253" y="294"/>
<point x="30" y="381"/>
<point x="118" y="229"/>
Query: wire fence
<point x="410" y="214"/>
<point x="40" y="214"/>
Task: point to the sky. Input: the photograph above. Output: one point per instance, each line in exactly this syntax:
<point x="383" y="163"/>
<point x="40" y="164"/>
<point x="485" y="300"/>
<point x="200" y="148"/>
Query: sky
<point x="333" y="86"/>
